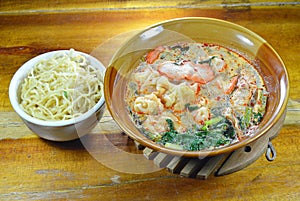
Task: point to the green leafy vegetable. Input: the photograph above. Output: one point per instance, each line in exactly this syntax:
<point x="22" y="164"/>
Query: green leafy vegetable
<point x="211" y="122"/>
<point x="169" y="135"/>
<point x="262" y="96"/>
<point x="257" y="117"/>
<point x="65" y="94"/>
<point x="217" y="131"/>
<point x="196" y="144"/>
<point x="246" y="119"/>
<point x="222" y="142"/>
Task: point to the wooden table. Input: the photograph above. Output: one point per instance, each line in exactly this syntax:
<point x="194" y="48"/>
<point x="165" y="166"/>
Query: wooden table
<point x="35" y="169"/>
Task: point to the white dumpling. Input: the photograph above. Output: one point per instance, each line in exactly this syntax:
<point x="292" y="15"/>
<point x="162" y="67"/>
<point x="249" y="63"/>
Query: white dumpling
<point x="148" y="104"/>
<point x="179" y="96"/>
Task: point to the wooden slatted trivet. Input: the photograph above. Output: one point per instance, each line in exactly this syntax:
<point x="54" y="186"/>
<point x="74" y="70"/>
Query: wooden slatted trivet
<point x="211" y="166"/>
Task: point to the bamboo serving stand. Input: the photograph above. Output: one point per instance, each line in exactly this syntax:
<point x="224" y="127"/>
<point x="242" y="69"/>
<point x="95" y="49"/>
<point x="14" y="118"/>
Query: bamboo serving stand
<point x="202" y="168"/>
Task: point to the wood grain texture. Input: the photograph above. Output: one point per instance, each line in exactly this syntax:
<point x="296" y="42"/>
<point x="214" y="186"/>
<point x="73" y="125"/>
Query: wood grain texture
<point x="35" y="6"/>
<point x="36" y="169"/>
<point x="33" y="168"/>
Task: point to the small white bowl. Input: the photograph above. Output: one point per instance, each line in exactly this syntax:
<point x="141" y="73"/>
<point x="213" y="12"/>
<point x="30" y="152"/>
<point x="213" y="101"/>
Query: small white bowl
<point x="64" y="130"/>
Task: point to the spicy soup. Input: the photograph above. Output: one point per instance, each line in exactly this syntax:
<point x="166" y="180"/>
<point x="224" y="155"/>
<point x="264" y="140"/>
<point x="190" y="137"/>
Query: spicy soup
<point x="195" y="96"/>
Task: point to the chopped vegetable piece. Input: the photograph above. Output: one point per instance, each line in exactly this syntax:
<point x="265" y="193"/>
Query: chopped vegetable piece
<point x="66" y="94"/>
<point x="211" y="122"/>
<point x="257" y="117"/>
<point x="207" y="61"/>
<point x="173" y="146"/>
<point x="245" y="121"/>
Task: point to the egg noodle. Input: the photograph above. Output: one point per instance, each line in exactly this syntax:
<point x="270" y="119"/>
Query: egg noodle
<point x="61" y="87"/>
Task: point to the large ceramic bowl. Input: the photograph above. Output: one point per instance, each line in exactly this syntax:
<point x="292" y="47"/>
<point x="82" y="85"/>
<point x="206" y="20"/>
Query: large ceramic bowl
<point x="205" y="30"/>
<point x="63" y="130"/>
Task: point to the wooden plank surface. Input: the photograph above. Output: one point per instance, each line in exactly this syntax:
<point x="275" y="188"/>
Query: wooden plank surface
<point x="35" y="169"/>
<point x="11" y="7"/>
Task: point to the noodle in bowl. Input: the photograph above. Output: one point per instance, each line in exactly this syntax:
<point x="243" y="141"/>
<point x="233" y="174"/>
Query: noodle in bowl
<point x="74" y="95"/>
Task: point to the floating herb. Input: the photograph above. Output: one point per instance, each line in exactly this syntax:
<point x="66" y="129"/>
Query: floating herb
<point x="66" y="94"/>
<point x="182" y="49"/>
<point x="211" y="122"/>
<point x="207" y="61"/>
<point x="191" y="108"/>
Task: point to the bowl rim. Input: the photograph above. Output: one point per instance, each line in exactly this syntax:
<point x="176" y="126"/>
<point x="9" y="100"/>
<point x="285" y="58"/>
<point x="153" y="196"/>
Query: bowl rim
<point x="22" y="72"/>
<point x="281" y="108"/>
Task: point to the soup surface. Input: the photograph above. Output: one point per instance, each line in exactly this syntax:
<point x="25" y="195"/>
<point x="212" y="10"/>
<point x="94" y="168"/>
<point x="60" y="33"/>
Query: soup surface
<point x="194" y="96"/>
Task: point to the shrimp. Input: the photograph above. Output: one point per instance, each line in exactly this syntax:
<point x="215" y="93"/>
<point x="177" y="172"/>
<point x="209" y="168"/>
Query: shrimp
<point x="196" y="87"/>
<point x="232" y="85"/>
<point x="224" y="84"/>
<point x="154" y="54"/>
<point x="196" y="73"/>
